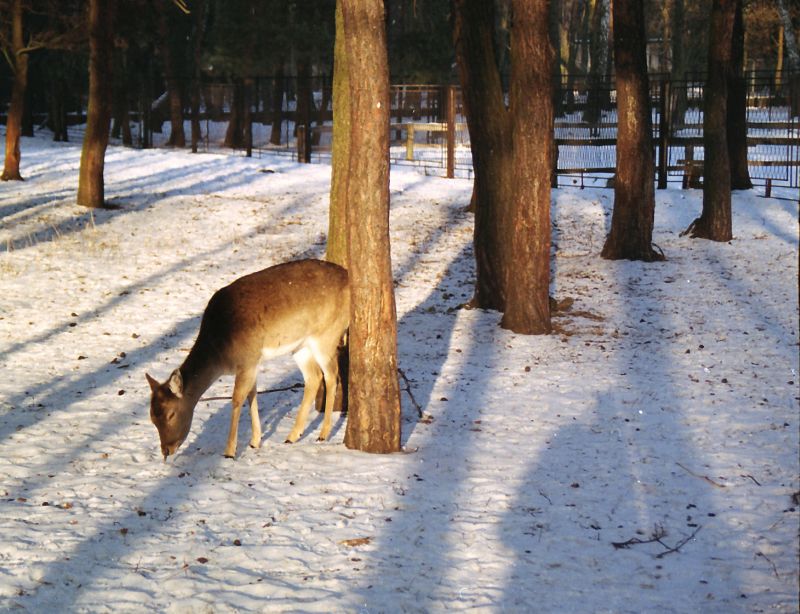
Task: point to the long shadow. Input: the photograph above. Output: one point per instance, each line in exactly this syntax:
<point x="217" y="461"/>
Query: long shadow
<point x="430" y="491"/>
<point x="619" y="473"/>
<point x="63" y="579"/>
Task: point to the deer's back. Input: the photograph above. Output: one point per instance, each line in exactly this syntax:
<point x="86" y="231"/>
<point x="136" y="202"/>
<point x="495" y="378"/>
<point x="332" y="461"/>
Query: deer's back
<point x="274" y="311"/>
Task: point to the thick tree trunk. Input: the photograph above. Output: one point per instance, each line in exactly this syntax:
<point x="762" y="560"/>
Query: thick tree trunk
<point x="527" y="294"/>
<point x="737" y="107"/>
<point x="337" y="218"/>
<point x="598" y="94"/>
<point x="101" y="46"/>
<point x="490" y="137"/>
<point x="374" y="419"/>
<point x="17" y="106"/>
<point x="631" y="234"/>
<point x="715" y="220"/>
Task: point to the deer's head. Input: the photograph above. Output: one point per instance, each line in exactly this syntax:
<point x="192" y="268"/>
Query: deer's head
<point x="170" y="412"/>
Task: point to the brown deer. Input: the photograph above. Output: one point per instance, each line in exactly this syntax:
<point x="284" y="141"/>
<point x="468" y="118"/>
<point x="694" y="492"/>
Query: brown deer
<point x="300" y="308"/>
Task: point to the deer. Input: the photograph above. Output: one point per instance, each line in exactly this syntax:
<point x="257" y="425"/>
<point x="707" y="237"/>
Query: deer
<point x="300" y="308"/>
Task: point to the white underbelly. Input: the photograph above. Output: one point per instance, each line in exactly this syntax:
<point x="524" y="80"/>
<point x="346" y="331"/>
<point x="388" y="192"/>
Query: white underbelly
<point x="269" y="352"/>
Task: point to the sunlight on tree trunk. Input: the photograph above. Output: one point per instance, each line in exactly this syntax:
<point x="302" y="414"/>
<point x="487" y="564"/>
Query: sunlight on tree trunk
<point x="631" y="234"/>
<point x="19" y="86"/>
<point x="373" y="421"/>
<point x="91" y="190"/>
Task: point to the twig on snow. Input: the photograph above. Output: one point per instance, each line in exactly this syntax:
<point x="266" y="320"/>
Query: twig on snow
<point x="658" y="535"/>
<point x="702" y="477"/>
<point x="766" y="558"/>
<point x="294" y="386"/>
<point x="408" y="391"/>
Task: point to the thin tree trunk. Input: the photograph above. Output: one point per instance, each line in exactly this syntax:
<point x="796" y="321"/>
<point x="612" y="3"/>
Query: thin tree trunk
<point x="737" y="107"/>
<point x="101" y="45"/>
<point x="197" y="50"/>
<point x="177" y="136"/>
<point x="18" y="88"/>
<point x="715" y="220"/>
<point x="631" y="234"/>
<point x="279" y="87"/>
<point x="531" y="101"/>
<point x="373" y="423"/>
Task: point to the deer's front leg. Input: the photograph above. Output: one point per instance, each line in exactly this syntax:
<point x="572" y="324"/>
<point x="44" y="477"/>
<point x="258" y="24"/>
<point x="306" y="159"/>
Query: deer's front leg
<point x="241" y="390"/>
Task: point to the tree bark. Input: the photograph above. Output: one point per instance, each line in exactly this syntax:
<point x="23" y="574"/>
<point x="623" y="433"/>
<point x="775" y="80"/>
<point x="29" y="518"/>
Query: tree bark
<point x="490" y="138"/>
<point x="631" y="234"/>
<point x="278" y="90"/>
<point x="715" y="222"/>
<point x="98" y="117"/>
<point x="737" y="107"/>
<point x="531" y="111"/>
<point x="16" y="108"/>
<point x="177" y="136"/>
<point x="374" y="419"/>
<point x="197" y="50"/>
<point x="337" y="217"/>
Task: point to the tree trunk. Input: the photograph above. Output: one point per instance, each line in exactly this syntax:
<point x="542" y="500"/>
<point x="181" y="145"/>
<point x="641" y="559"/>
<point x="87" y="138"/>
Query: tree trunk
<point x="737" y="107"/>
<point x="278" y="90"/>
<point x="18" y="88"/>
<point x="337" y="217"/>
<point x="374" y="418"/>
<point x="177" y="136"/>
<point x="234" y="135"/>
<point x="715" y="220"/>
<point x="197" y="50"/>
<point x="527" y="295"/>
<point x="98" y="116"/>
<point x="678" y="68"/>
<point x="302" y="116"/>
<point x="598" y="95"/>
<point x="631" y="233"/>
<point x="490" y="138"/>
<point x="793" y="54"/>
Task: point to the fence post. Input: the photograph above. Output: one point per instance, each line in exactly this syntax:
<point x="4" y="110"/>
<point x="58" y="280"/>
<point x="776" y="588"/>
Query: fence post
<point x="451" y="131"/>
<point x="663" y="135"/>
<point x="409" y="142"/>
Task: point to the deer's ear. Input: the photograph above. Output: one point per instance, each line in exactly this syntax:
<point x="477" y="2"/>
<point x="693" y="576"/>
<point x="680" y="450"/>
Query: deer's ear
<point x="152" y="381"/>
<point x="175" y="383"/>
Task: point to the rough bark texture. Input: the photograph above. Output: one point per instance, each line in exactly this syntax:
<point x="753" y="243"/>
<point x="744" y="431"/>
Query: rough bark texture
<point x="737" y="107"/>
<point x="337" y="218"/>
<point x="715" y="220"/>
<point x="490" y="138"/>
<point x="16" y="108"/>
<point x="527" y="297"/>
<point x="98" y="117"/>
<point x="631" y="234"/>
<point x="373" y="423"/>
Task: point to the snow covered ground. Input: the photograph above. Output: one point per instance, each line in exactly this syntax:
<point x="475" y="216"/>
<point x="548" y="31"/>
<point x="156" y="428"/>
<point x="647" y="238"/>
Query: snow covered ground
<point x="642" y="459"/>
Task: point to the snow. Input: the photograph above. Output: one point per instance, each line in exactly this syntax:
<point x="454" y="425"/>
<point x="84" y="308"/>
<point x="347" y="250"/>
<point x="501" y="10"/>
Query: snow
<point x="665" y="405"/>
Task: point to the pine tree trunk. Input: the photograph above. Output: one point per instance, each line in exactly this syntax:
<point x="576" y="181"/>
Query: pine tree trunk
<point x="631" y="234"/>
<point x="98" y="117"/>
<point x="374" y="419"/>
<point x="527" y="295"/>
<point x="16" y="108"/>
<point x="737" y="107"/>
<point x="490" y="138"/>
<point x="715" y="220"/>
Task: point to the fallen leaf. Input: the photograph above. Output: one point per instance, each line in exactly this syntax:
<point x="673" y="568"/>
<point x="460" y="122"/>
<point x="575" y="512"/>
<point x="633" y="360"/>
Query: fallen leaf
<point x="354" y="543"/>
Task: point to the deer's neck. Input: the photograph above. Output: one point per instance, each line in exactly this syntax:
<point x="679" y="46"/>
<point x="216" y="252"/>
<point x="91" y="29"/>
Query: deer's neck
<point x="198" y="372"/>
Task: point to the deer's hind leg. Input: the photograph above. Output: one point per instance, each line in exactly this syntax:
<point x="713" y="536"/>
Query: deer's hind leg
<point x="312" y="377"/>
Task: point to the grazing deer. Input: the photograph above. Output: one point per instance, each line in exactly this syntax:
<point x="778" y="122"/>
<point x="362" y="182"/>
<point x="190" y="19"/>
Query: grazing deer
<point x="300" y="308"/>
